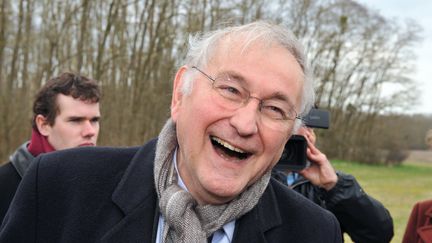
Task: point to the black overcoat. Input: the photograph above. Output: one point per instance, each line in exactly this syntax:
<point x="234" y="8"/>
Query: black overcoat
<point x="108" y="195"/>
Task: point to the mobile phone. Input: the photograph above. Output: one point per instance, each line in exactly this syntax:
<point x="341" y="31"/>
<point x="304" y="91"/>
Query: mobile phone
<point x="294" y="156"/>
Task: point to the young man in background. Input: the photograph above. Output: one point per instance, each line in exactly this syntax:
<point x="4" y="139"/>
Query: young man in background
<point x="65" y="115"/>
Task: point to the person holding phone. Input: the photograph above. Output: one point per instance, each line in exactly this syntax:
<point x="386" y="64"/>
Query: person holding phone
<point x="361" y="216"/>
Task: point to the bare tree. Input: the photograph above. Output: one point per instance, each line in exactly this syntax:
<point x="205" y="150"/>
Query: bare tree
<point x="133" y="48"/>
<point x="356" y="54"/>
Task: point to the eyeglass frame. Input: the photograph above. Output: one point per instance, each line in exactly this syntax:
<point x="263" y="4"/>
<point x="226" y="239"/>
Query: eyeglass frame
<point x="245" y="101"/>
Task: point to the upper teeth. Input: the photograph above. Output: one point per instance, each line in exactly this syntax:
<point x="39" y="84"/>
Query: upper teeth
<point x="227" y="145"/>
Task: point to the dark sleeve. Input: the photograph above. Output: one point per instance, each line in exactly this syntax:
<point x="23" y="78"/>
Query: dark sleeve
<point x="364" y="218"/>
<point x="19" y="224"/>
<point x="9" y="181"/>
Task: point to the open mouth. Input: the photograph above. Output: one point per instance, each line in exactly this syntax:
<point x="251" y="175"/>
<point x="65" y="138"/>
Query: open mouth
<point x="228" y="150"/>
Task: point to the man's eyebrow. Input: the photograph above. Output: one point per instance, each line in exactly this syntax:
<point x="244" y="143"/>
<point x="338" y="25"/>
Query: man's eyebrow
<point x="82" y="118"/>
<point x="233" y="74"/>
<point x="276" y="95"/>
<point x="282" y="97"/>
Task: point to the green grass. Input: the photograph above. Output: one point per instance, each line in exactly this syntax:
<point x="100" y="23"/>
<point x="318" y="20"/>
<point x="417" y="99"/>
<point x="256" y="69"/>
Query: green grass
<point x="397" y="187"/>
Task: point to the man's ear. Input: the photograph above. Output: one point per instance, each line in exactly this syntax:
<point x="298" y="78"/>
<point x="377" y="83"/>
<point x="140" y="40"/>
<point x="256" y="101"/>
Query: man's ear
<point x="42" y="125"/>
<point x="177" y="94"/>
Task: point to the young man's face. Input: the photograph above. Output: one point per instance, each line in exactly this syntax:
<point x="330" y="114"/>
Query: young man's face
<point x="76" y="124"/>
<point x="210" y="135"/>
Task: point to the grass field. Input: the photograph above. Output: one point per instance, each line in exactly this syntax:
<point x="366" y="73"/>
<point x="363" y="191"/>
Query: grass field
<point x="398" y="187"/>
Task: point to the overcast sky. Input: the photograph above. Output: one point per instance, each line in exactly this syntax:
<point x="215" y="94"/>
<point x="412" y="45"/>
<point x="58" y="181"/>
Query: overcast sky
<point x="421" y="11"/>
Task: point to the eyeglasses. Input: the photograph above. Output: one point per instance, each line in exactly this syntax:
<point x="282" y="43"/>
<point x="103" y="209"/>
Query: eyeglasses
<point x="274" y="112"/>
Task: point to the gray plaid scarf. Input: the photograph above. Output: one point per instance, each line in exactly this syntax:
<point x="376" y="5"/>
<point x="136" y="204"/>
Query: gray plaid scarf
<point x="185" y="220"/>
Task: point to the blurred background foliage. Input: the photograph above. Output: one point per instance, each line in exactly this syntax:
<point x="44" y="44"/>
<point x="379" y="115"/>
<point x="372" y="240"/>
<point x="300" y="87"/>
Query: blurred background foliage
<point x="361" y="62"/>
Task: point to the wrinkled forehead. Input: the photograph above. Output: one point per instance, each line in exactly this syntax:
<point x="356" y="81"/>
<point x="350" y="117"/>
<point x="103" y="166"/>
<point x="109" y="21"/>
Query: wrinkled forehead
<point x="259" y="60"/>
<point x="243" y="43"/>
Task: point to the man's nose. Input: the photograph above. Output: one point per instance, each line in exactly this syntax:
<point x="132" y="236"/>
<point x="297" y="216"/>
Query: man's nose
<point x="246" y="118"/>
<point x="89" y="129"/>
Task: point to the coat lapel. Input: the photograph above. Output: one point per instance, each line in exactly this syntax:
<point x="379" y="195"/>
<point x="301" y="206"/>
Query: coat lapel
<point x="425" y="232"/>
<point x="136" y="197"/>
<point x="252" y="226"/>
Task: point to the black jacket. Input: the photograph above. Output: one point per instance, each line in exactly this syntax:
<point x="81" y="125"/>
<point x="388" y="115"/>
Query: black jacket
<point x="108" y="195"/>
<point x="11" y="174"/>
<point x="362" y="217"/>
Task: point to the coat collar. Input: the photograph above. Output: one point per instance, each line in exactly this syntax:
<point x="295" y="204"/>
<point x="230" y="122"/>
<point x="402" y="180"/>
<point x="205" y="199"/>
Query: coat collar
<point x="21" y="159"/>
<point x="136" y="197"/>
<point x="425" y="231"/>
<point x="137" y="182"/>
<point x="428" y="214"/>
<point x="265" y="216"/>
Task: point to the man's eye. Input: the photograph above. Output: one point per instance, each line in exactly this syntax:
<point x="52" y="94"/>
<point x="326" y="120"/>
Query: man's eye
<point x="95" y="120"/>
<point x="274" y="112"/>
<point x="229" y="89"/>
<point x="230" y="92"/>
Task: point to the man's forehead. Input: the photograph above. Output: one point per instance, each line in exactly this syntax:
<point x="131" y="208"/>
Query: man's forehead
<point x="288" y="78"/>
<point x="234" y="48"/>
<point x="75" y="106"/>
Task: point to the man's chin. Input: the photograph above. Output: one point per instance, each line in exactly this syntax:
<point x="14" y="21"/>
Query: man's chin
<point x="224" y="192"/>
